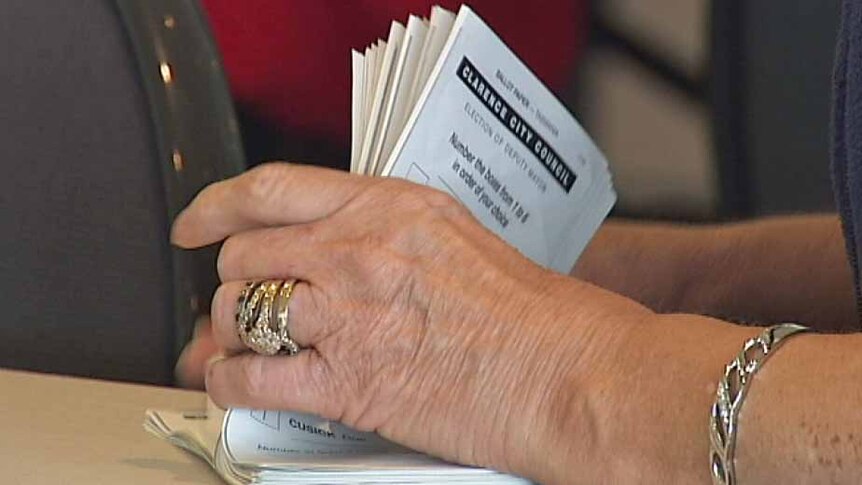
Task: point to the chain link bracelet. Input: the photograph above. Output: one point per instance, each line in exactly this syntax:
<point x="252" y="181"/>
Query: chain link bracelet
<point x="731" y="392"/>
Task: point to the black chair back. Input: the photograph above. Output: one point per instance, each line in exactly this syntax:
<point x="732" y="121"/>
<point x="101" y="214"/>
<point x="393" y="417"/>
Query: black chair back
<point x="113" y="114"/>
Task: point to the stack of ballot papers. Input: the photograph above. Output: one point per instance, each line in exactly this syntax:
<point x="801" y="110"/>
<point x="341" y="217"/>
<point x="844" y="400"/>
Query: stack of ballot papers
<point x="275" y="447"/>
<point x="442" y="102"/>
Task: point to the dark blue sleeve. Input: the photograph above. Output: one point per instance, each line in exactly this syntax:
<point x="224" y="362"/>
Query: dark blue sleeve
<point x="847" y="137"/>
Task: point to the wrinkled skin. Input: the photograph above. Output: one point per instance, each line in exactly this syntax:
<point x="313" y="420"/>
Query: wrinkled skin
<point x="418" y="323"/>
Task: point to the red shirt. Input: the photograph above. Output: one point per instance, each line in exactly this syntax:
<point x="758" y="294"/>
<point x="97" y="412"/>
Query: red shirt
<point x="288" y="61"/>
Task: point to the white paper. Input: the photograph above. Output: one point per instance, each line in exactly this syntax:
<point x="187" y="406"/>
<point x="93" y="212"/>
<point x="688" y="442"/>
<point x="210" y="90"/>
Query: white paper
<point x="357" y="116"/>
<point x="288" y="447"/>
<point x="373" y="139"/>
<point x="398" y="102"/>
<point x="487" y="131"/>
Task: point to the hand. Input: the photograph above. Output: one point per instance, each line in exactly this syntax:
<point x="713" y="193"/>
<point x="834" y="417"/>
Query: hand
<point x="191" y="366"/>
<point x="419" y="323"/>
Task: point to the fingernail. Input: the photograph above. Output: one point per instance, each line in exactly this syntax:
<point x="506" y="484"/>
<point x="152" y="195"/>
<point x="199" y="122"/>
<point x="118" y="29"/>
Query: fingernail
<point x="215" y="359"/>
<point x="210" y="365"/>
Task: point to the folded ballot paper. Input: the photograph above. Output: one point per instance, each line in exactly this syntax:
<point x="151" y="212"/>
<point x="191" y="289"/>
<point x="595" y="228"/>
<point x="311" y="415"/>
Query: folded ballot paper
<point x="442" y="102"/>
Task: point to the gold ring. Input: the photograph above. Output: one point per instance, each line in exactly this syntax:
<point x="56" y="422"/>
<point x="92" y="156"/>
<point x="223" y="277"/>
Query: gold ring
<point x="282" y="318"/>
<point x="262" y="317"/>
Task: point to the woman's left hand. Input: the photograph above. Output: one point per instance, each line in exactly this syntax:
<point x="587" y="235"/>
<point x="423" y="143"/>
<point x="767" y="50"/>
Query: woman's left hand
<point x="418" y="322"/>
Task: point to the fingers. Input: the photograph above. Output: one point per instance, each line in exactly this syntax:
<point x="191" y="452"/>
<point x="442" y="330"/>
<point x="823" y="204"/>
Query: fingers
<point x="263" y="253"/>
<point x="191" y="366"/>
<point x="303" y="323"/>
<point x="269" y="195"/>
<point x="299" y="383"/>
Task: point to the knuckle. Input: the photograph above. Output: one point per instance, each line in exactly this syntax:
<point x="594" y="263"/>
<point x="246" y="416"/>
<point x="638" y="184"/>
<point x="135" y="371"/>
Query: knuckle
<point x="412" y="198"/>
<point x="389" y="185"/>
<point x="424" y="231"/>
<point x="262" y="182"/>
<point x="360" y="259"/>
<point x="439" y="205"/>
<point x="354" y="255"/>
<point x="439" y="200"/>
<point x="384" y="267"/>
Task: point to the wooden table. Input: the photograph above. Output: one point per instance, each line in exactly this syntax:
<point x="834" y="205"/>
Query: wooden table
<point x="67" y="430"/>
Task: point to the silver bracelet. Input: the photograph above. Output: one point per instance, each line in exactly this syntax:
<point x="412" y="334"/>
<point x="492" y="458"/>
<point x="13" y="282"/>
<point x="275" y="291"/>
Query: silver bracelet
<point x="732" y="390"/>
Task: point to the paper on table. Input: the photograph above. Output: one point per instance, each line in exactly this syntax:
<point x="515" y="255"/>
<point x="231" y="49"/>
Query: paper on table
<point x="269" y="447"/>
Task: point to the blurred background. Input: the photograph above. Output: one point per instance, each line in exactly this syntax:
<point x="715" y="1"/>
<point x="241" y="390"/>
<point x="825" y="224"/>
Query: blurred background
<point x="706" y="109"/>
<point x="712" y="109"/>
<point x="115" y="113"/>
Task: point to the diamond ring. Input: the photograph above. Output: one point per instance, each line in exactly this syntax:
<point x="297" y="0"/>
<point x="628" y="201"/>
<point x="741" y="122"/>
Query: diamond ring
<point x="262" y="317"/>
